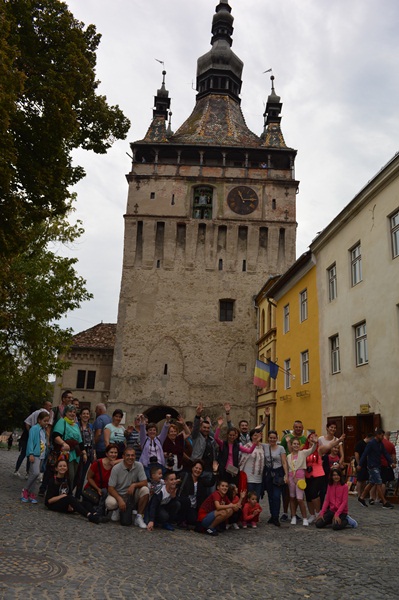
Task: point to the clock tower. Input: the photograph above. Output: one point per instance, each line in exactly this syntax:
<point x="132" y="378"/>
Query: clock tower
<point x="210" y="216"/>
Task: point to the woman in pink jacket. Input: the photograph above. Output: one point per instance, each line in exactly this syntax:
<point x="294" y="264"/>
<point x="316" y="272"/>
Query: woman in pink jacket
<point x="335" y="506"/>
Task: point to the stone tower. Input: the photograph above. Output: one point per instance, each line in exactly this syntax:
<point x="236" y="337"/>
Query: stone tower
<point x="210" y="216"/>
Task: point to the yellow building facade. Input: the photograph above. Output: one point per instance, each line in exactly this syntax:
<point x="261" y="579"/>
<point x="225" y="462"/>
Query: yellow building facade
<point x="291" y="339"/>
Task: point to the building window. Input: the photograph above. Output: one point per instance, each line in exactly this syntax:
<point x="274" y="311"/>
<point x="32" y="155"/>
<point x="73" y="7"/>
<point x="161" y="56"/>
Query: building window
<point x="305" y="366"/>
<point x="152" y="195"/>
<point x="85" y="380"/>
<point x="286" y="322"/>
<point x="334" y="353"/>
<point x="226" y="310"/>
<point x="303" y="305"/>
<point x="356" y="264"/>
<point x="395" y="234"/>
<point x="362" y="356"/>
<point x="287" y="374"/>
<point x="202" y="205"/>
<point x="332" y="282"/>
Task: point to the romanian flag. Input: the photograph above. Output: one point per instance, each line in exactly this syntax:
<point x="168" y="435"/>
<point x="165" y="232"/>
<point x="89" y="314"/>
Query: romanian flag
<point x="261" y="374"/>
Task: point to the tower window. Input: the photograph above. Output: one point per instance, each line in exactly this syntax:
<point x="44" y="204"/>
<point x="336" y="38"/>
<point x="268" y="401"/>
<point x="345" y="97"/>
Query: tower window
<point x="165" y="369"/>
<point x="202" y="204"/>
<point x="173" y="200"/>
<point x="226" y="310"/>
<point x="274" y="204"/>
<point x="220" y="264"/>
<point x="244" y="265"/>
<point x="152" y="195"/>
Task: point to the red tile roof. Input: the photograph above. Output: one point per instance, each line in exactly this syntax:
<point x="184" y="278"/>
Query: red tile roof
<point x="99" y="336"/>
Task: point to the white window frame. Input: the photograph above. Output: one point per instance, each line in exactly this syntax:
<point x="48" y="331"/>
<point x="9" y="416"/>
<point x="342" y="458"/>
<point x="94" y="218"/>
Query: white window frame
<point x="305" y="366"/>
<point x="287" y="374"/>
<point x="361" y="346"/>
<point x="286" y="318"/>
<point x="394" y="221"/>
<point x="332" y="282"/>
<point x="356" y="264"/>
<point x="335" y="355"/>
<point x="303" y="305"/>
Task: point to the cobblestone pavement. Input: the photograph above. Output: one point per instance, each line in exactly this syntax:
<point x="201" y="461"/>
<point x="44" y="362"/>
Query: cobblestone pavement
<point x="45" y="555"/>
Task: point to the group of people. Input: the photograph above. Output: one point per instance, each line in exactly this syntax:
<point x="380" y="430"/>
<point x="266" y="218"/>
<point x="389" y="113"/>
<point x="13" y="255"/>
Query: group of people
<point x="186" y="474"/>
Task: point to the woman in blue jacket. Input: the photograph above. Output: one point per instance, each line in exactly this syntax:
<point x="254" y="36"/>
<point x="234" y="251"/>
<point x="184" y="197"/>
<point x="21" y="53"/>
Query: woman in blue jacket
<point x="36" y="452"/>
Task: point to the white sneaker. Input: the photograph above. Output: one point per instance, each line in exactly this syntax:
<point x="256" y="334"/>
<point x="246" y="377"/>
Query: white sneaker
<point x="305" y="523"/>
<point x="16" y="474"/>
<point x="235" y="526"/>
<point x="139" y="522"/>
<point x="293" y="521"/>
<point x="228" y="525"/>
<point x="311" y="519"/>
<point x="115" y="515"/>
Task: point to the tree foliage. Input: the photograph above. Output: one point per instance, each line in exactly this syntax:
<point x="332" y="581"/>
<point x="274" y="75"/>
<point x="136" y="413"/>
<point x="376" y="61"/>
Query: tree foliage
<point x="49" y="106"/>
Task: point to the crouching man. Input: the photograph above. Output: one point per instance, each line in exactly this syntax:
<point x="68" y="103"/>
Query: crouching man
<point x="164" y="505"/>
<point x="127" y="490"/>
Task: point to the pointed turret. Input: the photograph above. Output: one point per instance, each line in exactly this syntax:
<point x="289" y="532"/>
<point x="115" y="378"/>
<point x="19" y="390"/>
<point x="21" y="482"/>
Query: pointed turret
<point x="272" y="135"/>
<point x="157" y="131"/>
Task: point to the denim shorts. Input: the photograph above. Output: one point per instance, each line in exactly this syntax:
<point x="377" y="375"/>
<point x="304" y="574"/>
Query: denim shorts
<point x="208" y="520"/>
<point x="375" y="476"/>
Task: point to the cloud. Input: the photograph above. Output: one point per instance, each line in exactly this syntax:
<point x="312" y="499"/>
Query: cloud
<point x="336" y="69"/>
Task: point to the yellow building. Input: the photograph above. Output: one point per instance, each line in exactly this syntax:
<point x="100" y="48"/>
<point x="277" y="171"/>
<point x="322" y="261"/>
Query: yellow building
<point x="292" y="340"/>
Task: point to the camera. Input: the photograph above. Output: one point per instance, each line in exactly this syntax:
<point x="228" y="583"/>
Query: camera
<point x="309" y="469"/>
<point x="170" y="461"/>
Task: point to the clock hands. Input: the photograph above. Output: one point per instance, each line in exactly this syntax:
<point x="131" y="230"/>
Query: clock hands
<point x="245" y="199"/>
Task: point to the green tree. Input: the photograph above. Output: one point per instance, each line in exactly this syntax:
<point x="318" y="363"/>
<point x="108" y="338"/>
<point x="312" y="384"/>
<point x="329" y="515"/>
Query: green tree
<point x="49" y="106"/>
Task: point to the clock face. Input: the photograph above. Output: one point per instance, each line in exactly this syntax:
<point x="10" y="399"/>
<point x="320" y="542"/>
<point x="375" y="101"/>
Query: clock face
<point x="242" y="200"/>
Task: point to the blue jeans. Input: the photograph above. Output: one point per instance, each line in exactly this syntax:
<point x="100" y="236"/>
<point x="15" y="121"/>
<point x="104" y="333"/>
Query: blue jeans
<point x="273" y="493"/>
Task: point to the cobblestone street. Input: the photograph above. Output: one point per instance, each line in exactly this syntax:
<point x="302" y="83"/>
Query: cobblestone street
<point x="45" y="555"/>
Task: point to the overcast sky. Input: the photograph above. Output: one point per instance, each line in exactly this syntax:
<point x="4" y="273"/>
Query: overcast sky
<point x="336" y="69"/>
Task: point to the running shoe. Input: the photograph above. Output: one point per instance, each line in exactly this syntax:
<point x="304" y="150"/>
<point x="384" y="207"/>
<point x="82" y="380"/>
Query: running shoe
<point x="32" y="498"/>
<point x="25" y="496"/>
<point x="362" y="501"/>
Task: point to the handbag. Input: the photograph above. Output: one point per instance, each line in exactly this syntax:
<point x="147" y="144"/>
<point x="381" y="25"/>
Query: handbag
<point x="91" y="495"/>
<point x="277" y="478"/>
<point x="74" y="445"/>
<point x="232" y="470"/>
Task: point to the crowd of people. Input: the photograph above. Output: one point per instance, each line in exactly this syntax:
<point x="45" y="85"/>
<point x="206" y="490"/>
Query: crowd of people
<point x="189" y="475"/>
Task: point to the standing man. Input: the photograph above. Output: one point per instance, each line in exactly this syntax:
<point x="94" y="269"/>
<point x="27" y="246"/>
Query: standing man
<point x="59" y="411"/>
<point x="372" y="456"/>
<point x="361" y="472"/>
<point x="297" y="428"/>
<point x="387" y="473"/>
<point x="204" y="446"/>
<point x="127" y="488"/>
<point x="243" y="425"/>
<point x="102" y="419"/>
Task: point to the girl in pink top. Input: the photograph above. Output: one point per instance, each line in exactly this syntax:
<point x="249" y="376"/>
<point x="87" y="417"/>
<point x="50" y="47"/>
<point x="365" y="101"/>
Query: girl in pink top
<point x="335" y="506"/>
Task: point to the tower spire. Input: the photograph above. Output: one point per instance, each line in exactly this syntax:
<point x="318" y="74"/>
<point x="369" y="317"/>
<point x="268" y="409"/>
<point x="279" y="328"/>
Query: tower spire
<point x="219" y="70"/>
<point x="272" y="135"/>
<point x="157" y="130"/>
